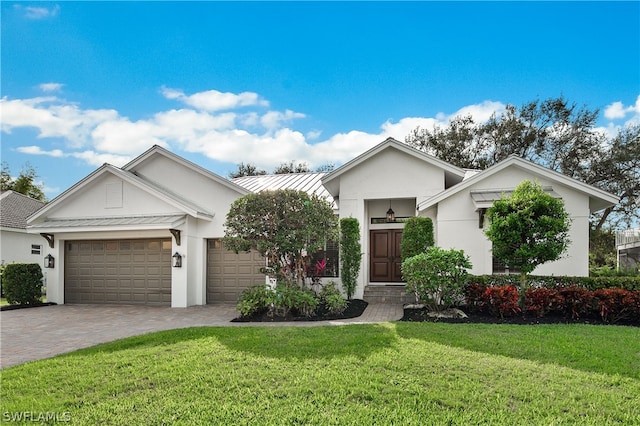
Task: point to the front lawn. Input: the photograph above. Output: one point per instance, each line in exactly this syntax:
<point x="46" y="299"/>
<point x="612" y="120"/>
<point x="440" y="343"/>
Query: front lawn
<point x="394" y="373"/>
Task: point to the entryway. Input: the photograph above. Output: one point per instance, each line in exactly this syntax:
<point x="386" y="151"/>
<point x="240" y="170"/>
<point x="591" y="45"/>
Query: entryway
<point x="385" y="262"/>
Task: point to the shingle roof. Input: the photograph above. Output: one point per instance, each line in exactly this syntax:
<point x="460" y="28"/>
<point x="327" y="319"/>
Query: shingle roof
<point x="15" y="208"/>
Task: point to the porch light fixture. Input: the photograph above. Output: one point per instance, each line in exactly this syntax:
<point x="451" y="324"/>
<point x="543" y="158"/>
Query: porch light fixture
<point x="391" y="215"/>
<point x="49" y="261"/>
<point x="177" y="260"/>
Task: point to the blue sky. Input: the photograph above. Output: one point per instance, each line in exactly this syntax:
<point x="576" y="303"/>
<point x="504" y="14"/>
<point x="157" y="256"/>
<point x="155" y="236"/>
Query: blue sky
<point x="84" y="83"/>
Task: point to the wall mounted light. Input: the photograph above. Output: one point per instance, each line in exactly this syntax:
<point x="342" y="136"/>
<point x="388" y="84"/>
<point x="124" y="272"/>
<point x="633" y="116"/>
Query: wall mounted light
<point x="391" y="215"/>
<point x="49" y="261"/>
<point x="177" y="260"/>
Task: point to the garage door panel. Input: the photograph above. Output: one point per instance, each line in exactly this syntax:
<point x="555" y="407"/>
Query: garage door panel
<point x="118" y="271"/>
<point x="229" y="273"/>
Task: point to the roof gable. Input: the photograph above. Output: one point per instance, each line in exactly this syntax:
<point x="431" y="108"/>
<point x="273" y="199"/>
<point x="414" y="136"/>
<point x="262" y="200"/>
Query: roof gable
<point x="107" y="169"/>
<point x="331" y="181"/>
<point x="156" y="150"/>
<point x="598" y="199"/>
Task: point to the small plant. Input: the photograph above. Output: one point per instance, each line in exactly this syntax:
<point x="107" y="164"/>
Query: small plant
<point x="576" y="301"/>
<point x="502" y="300"/>
<point x="254" y="300"/>
<point x="542" y="300"/>
<point x="22" y="283"/>
<point x="616" y="304"/>
<point x="437" y="277"/>
<point x="288" y="296"/>
<point x="473" y="296"/>
<point x="332" y="299"/>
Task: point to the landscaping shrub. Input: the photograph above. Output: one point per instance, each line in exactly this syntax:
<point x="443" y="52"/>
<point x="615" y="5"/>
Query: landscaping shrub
<point x="473" y="296"/>
<point x="350" y="254"/>
<point x="576" y="301"/>
<point x="22" y="283"/>
<point x="332" y="299"/>
<point x="288" y="297"/>
<point x="417" y="236"/>
<point x="502" y="300"/>
<point x="616" y="304"/>
<point x="631" y="283"/>
<point x="254" y="300"/>
<point x="542" y="300"/>
<point x="437" y="277"/>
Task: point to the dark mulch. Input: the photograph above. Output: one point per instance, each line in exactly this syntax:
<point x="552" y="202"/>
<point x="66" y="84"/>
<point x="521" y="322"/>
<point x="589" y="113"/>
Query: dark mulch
<point x="355" y="308"/>
<point x="417" y="315"/>
<point x="12" y="307"/>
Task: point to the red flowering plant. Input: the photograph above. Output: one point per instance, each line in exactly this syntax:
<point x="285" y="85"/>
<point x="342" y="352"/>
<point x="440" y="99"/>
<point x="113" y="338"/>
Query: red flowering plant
<point x="315" y="276"/>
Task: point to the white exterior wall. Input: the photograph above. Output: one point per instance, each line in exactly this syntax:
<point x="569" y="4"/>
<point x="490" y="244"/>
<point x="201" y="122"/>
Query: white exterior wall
<point x="457" y="225"/>
<point x="15" y="246"/>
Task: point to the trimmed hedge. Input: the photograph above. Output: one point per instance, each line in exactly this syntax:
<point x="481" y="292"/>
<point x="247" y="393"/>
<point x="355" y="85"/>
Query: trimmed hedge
<point x="590" y="283"/>
<point x="22" y="283"/>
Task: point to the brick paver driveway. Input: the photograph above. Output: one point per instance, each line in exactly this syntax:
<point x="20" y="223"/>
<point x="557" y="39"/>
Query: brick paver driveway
<point x="43" y="332"/>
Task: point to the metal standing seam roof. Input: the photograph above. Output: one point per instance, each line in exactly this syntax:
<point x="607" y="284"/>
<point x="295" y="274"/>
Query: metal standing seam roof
<point x="15" y="208"/>
<point x="163" y="220"/>
<point x="311" y="183"/>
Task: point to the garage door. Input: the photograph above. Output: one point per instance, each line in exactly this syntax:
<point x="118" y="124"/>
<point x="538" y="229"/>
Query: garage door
<point x="118" y="271"/>
<point x="229" y="273"/>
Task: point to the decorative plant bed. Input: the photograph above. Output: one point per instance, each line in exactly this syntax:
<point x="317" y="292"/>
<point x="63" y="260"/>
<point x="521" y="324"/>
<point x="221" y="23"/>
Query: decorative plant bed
<point x="355" y="308"/>
<point x="13" y="307"/>
<point x="422" y="314"/>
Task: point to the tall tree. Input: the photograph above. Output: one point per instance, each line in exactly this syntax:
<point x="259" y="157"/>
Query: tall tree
<point x="25" y="183"/>
<point x="554" y="133"/>
<point x="291" y="167"/>
<point x="246" y="170"/>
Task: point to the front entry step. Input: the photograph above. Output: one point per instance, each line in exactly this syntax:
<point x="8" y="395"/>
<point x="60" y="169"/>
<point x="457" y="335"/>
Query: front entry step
<point x="393" y="294"/>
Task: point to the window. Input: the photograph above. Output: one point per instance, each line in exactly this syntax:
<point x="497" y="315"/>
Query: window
<point x="500" y="268"/>
<point x="36" y="249"/>
<point x="330" y="253"/>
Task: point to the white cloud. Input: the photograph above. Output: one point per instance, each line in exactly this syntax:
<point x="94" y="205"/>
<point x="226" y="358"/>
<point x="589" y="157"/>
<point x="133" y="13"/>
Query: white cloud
<point x="51" y="87"/>
<point x="274" y="119"/>
<point x="36" y="150"/>
<point x="32" y="12"/>
<point x="212" y="100"/>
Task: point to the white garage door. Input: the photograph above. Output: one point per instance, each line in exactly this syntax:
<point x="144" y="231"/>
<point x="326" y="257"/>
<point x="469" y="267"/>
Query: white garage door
<point x="118" y="271"/>
<point x="229" y="273"/>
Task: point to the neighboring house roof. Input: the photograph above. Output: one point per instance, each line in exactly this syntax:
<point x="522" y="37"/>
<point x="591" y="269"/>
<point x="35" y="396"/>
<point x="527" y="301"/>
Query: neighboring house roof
<point x="311" y="183"/>
<point x="598" y="199"/>
<point x="158" y="150"/>
<point x="163" y="194"/>
<point x="453" y="174"/>
<point x="15" y="208"/>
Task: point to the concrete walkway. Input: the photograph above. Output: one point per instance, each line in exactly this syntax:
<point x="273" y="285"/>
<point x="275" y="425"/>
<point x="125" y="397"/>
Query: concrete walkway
<point x="38" y="333"/>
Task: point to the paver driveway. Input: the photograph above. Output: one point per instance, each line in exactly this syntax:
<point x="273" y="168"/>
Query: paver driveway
<point x="43" y="332"/>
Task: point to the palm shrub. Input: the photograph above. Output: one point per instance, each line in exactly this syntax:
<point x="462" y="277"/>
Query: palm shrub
<point x="22" y="283"/>
<point x="437" y="277"/>
<point x="350" y="253"/>
<point x="417" y="236"/>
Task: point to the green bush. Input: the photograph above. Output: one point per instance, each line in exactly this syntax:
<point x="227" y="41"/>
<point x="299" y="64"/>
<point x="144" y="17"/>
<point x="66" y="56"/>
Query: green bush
<point x="22" y="283"/>
<point x="288" y="296"/>
<point x="417" y="236"/>
<point x="591" y="283"/>
<point x="332" y="299"/>
<point x="437" y="277"/>
<point x="254" y="300"/>
<point x="350" y="253"/>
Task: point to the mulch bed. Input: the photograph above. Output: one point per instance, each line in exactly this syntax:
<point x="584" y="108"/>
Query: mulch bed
<point x="12" y="307"/>
<point x="420" y="315"/>
<point x="355" y="308"/>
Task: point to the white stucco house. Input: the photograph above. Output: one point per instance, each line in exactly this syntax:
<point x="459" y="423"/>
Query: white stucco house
<point x="117" y="233"/>
<point x="16" y="245"/>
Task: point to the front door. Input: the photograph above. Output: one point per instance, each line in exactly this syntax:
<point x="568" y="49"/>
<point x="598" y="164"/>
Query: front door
<point x="385" y="264"/>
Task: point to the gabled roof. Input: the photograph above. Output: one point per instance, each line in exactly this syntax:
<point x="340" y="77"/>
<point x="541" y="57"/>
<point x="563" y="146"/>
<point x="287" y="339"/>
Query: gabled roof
<point x="310" y="183"/>
<point x="598" y="199"/>
<point x="170" y="198"/>
<point x="15" y="208"/>
<point x="158" y="150"/>
<point x="331" y="180"/>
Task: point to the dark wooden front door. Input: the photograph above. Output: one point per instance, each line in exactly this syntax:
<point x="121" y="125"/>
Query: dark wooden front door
<point x="385" y="264"/>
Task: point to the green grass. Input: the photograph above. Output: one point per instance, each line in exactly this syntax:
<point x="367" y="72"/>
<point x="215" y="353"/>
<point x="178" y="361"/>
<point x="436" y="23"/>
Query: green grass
<point x="395" y="373"/>
<point x="3" y="301"/>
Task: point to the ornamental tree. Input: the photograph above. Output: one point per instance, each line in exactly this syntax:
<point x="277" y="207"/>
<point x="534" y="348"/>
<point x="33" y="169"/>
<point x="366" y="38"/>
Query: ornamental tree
<point x="350" y="253"/>
<point x="283" y="226"/>
<point x="528" y="228"/>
